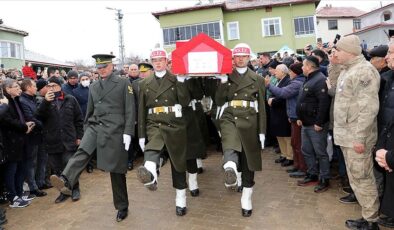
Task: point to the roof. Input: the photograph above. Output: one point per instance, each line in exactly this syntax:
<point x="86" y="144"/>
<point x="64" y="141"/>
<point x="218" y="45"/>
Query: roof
<point x="36" y="58"/>
<point x="12" y="30"/>
<point x="338" y="12"/>
<point x="372" y="27"/>
<point x="236" y="5"/>
<point x="378" y="9"/>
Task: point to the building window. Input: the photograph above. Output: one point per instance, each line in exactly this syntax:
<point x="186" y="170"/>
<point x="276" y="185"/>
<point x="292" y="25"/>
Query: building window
<point x="304" y="26"/>
<point x="271" y="26"/>
<point x="10" y="50"/>
<point x="332" y="24"/>
<point x="232" y="30"/>
<point x="357" y="24"/>
<point x="386" y="15"/>
<point x="171" y="35"/>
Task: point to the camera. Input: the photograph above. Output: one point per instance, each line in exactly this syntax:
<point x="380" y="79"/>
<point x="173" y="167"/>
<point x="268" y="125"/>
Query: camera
<point x="57" y="94"/>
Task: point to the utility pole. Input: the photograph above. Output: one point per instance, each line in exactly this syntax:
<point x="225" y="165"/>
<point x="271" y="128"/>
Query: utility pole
<point x="119" y="18"/>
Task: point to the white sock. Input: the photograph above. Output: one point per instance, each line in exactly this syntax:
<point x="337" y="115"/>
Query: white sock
<point x="180" y="199"/>
<point x="230" y="164"/>
<point x="193" y="184"/>
<point x="239" y="179"/>
<point x="151" y="166"/>
<point x="199" y="163"/>
<point x="246" y="199"/>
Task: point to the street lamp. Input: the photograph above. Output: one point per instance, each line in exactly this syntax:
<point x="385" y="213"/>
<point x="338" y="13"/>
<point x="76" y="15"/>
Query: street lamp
<point x="119" y="18"/>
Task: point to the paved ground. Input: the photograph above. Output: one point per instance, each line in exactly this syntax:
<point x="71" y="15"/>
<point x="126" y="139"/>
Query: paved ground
<point x="278" y="203"/>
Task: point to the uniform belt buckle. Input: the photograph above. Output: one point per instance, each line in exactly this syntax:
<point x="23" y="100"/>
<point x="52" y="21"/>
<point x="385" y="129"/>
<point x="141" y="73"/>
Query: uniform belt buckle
<point x="237" y="103"/>
<point x="158" y="110"/>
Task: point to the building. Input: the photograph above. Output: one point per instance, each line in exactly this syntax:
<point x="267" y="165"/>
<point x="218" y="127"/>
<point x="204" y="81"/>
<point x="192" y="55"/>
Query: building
<point x="41" y="62"/>
<point x="11" y="47"/>
<point x="266" y="25"/>
<point x="377" y="26"/>
<point x="336" y="20"/>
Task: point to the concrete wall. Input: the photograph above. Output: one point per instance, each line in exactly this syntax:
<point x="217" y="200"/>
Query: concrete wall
<point x="374" y="38"/>
<point x="345" y="26"/>
<point x="12" y="62"/>
<point x="377" y="17"/>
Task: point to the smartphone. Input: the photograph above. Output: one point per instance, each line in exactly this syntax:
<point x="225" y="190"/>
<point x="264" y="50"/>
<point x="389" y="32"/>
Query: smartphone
<point x="57" y="94"/>
<point x="337" y="37"/>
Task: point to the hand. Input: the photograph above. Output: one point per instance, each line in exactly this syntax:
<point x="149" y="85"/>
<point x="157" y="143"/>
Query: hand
<point x="270" y="101"/>
<point x="4" y="100"/>
<point x="49" y="96"/>
<point x="267" y="80"/>
<point x="358" y="147"/>
<point x="126" y="141"/>
<point x="181" y="78"/>
<point x="262" y="140"/>
<point x="78" y="142"/>
<point x="317" y="128"/>
<point x="381" y="157"/>
<point x="223" y="78"/>
<point x="328" y="82"/>
<point x="30" y="126"/>
<point x="299" y="122"/>
<point x="141" y="141"/>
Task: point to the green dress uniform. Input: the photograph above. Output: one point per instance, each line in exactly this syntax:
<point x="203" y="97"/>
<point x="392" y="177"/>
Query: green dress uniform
<point x="242" y="118"/>
<point x="110" y="114"/>
<point x="157" y="120"/>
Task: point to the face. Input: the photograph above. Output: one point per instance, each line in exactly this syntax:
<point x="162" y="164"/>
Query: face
<point x="104" y="72"/>
<point x="32" y="90"/>
<point x="14" y="90"/>
<point x="390" y="56"/>
<point x="126" y="68"/>
<point x="133" y="71"/>
<point x="378" y="62"/>
<point x="292" y="74"/>
<point x="57" y="73"/>
<point x="145" y="74"/>
<point x="272" y="71"/>
<point x="306" y="68"/>
<point x="43" y="91"/>
<point x="279" y="74"/>
<point x="341" y="56"/>
<point x="53" y="87"/>
<point x="241" y="61"/>
<point x="159" y="64"/>
<point x="73" y="81"/>
<point x="85" y="78"/>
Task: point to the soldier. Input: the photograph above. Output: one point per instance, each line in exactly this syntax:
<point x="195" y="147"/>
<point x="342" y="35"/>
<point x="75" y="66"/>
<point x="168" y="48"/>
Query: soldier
<point x="109" y="126"/>
<point x="162" y="124"/>
<point x="355" y="125"/>
<point x="242" y="124"/>
<point x="145" y="70"/>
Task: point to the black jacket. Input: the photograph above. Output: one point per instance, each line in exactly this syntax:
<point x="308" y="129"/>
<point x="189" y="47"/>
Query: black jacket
<point x="313" y="103"/>
<point x="3" y="110"/>
<point x="386" y="99"/>
<point x="29" y="107"/>
<point x="82" y="94"/>
<point x="279" y="124"/>
<point x="14" y="131"/>
<point x="63" y="125"/>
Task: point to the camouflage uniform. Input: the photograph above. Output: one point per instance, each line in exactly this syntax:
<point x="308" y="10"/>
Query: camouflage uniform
<point x="355" y="120"/>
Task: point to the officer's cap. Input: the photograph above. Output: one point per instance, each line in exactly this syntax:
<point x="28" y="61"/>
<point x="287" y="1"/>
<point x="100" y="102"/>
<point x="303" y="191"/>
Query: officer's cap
<point x="143" y="67"/>
<point x="380" y="51"/>
<point x="102" y="60"/>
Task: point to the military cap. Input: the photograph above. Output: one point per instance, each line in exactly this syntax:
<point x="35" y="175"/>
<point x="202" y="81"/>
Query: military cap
<point x="102" y="60"/>
<point x="143" y="67"/>
<point x="380" y="51"/>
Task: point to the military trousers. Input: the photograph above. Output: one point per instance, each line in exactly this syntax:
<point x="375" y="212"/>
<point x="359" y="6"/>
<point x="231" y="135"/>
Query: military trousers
<point x="361" y="178"/>
<point x="191" y="166"/>
<point x="178" y="178"/>
<point x="78" y="163"/>
<point x="242" y="166"/>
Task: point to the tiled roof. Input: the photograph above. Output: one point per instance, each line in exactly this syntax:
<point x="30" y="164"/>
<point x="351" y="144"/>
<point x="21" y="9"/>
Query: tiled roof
<point x="37" y="58"/>
<point x="235" y="5"/>
<point x="12" y="30"/>
<point x="338" y="12"/>
<point x="372" y="27"/>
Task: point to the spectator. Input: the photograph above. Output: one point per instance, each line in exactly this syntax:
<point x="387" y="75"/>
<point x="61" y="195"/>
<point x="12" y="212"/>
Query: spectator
<point x="308" y="50"/>
<point x="81" y="93"/>
<point x="312" y="111"/>
<point x="323" y="62"/>
<point x="265" y="60"/>
<point x="355" y="128"/>
<point x="72" y="82"/>
<point x="28" y="72"/>
<point x="3" y="110"/>
<point x="62" y="119"/>
<point x="14" y="129"/>
<point x="29" y="107"/>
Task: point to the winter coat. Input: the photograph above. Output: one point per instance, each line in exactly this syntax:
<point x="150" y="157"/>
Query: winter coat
<point x="29" y="107"/>
<point x="279" y="123"/>
<point x="81" y="94"/>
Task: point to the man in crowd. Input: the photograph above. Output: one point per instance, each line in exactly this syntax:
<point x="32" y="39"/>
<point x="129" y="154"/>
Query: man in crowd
<point x="63" y="129"/>
<point x="242" y="124"/>
<point x="313" y="114"/>
<point x="72" y="82"/>
<point x="264" y="60"/>
<point x="109" y="126"/>
<point x="355" y="125"/>
<point x="162" y="123"/>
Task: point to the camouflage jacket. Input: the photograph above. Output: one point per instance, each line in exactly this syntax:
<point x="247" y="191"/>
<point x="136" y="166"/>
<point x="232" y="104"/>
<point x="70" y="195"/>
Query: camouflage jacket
<point x="356" y="104"/>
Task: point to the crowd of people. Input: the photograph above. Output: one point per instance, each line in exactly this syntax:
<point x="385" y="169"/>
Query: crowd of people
<point x="328" y="114"/>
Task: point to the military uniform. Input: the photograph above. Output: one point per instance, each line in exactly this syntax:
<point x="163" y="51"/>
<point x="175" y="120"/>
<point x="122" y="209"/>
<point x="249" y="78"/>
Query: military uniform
<point x="355" y="110"/>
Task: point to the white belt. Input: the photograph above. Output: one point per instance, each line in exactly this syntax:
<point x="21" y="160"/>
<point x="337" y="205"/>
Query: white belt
<point x="238" y="103"/>
<point x="161" y="109"/>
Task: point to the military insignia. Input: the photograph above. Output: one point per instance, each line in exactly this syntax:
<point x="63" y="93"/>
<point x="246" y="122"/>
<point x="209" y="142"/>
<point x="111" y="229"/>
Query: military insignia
<point x="130" y="89"/>
<point x="365" y="83"/>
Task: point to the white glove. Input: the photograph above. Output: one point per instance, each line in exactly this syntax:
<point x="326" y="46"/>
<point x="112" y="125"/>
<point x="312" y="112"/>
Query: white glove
<point x="262" y="140"/>
<point x="126" y="141"/>
<point x="142" y="143"/>
<point x="182" y="78"/>
<point x="223" y="78"/>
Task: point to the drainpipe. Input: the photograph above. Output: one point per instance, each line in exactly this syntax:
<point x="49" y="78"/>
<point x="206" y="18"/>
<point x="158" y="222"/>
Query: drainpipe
<point x="221" y="32"/>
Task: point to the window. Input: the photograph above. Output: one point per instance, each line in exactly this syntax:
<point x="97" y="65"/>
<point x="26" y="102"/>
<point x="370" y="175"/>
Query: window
<point x="304" y="25"/>
<point x="232" y="30"/>
<point x="386" y="15"/>
<point x="332" y="24"/>
<point x="171" y="35"/>
<point x="10" y="50"/>
<point x="271" y="26"/>
<point x="357" y="24"/>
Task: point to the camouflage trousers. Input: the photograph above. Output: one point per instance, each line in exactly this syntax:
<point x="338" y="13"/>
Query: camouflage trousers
<point x="362" y="180"/>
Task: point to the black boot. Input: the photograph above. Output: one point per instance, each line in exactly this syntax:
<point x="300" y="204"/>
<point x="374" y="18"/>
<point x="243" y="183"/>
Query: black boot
<point x="349" y="199"/>
<point x="121" y="215"/>
<point x="386" y="221"/>
<point x="180" y="211"/>
<point x="76" y="194"/>
<point x="323" y="185"/>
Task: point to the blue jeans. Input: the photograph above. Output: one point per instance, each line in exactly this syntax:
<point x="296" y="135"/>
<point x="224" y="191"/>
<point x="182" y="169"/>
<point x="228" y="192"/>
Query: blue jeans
<point x="314" y="145"/>
<point x="14" y="177"/>
<point x="337" y="154"/>
<point x="42" y="159"/>
<point x="29" y="165"/>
